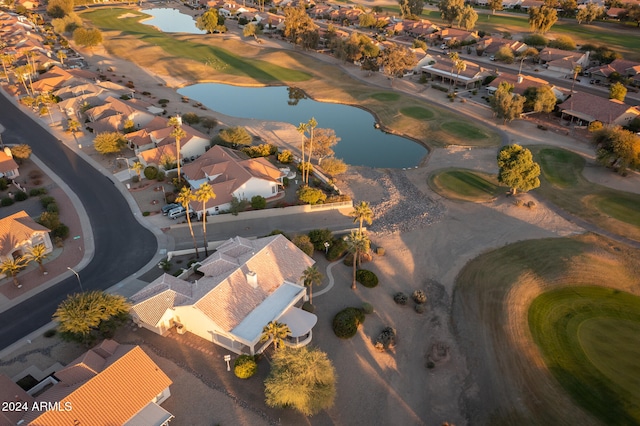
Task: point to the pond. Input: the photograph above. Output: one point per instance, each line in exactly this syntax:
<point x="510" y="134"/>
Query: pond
<point x="172" y="21"/>
<point x="361" y="143"/>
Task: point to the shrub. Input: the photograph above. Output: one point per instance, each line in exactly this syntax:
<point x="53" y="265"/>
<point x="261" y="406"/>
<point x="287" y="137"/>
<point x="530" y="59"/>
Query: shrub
<point x="367" y="308"/>
<point x="62" y="231"/>
<point x="53" y="208"/>
<point x="46" y="200"/>
<point x="419" y="308"/>
<point x="37" y="191"/>
<point x="161" y="176"/>
<point x="386" y="339"/>
<point x="306" y="306"/>
<point x="150" y="172"/>
<point x="367" y="278"/>
<point x="311" y="196"/>
<point x="245" y="366"/>
<point x="337" y="250"/>
<point x="400" y="298"/>
<point x="594" y="126"/>
<point x="518" y="202"/>
<point x="431" y="364"/>
<point x="4" y="184"/>
<point x="6" y="201"/>
<point x="319" y="236"/>
<point x="145" y="214"/>
<point x="262" y="150"/>
<point x="135" y="179"/>
<point x="190" y="118"/>
<point x="419" y="297"/>
<point x="531" y="204"/>
<point x="21" y="196"/>
<point x="258" y="202"/>
<point x="285" y="157"/>
<point x="347" y="321"/>
<point x="163" y="101"/>
<point x="49" y="220"/>
<point x="303" y="243"/>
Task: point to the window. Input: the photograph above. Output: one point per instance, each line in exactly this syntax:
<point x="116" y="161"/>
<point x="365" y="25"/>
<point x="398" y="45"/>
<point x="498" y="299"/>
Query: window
<point x="274" y="189"/>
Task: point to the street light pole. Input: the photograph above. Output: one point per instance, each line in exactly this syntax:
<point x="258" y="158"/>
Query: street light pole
<point x="78" y="277"/>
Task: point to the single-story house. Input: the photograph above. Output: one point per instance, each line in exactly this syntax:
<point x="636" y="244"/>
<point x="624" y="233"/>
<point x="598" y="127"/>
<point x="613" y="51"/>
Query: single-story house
<point x="18" y="233"/>
<point x="582" y="108"/>
<point x="521" y="83"/>
<point x="563" y="60"/>
<point x="111" y="384"/>
<point x="118" y="111"/>
<point x="621" y="66"/>
<point x="8" y="166"/>
<point x="614" y="12"/>
<point x="232" y="174"/>
<point x="245" y="285"/>
<point x="157" y="133"/>
<point x="490" y="45"/>
<point x="472" y="76"/>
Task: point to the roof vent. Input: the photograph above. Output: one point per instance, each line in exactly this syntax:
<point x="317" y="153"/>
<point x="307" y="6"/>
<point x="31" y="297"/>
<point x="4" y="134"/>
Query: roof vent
<point x="252" y="279"/>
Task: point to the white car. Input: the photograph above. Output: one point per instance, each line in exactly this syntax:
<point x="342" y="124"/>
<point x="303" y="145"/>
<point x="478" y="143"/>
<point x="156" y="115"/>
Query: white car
<point x="444" y="46"/>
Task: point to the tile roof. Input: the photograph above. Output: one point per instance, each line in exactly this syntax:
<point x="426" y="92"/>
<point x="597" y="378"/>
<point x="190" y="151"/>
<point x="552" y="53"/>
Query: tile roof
<point x="518" y="87"/>
<point x="17" y="228"/>
<point x="11" y="392"/>
<point x="596" y="107"/>
<point x="128" y="381"/>
<point x="157" y="155"/>
<point x="7" y="163"/>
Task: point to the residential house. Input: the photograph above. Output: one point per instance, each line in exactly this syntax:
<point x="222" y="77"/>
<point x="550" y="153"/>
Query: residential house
<point x="563" y="60"/>
<point x="111" y="384"/>
<point x="112" y="115"/>
<point x="624" y="68"/>
<point x="157" y="133"/>
<point x="232" y="174"/>
<point x="28" y="4"/>
<point x="521" y="83"/>
<point x="163" y="157"/>
<point x="245" y="285"/>
<point x="528" y="4"/>
<point x="615" y="12"/>
<point x="455" y="35"/>
<point x="8" y="166"/>
<point x="490" y="45"/>
<point x="18" y="233"/>
<point x="506" y="4"/>
<point x="472" y="76"/>
<point x="419" y="29"/>
<point x="582" y="108"/>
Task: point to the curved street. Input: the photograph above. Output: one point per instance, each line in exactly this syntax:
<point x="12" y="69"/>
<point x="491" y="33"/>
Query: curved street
<point x="122" y="244"/>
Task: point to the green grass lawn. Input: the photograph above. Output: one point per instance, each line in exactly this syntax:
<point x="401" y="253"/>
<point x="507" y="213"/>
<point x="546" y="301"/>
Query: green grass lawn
<point x="562" y="183"/>
<point x="465" y="185"/>
<point x="587" y="336"/>
<point x="386" y="96"/>
<point x="220" y="59"/>
<point x="419" y="113"/>
<point x="464" y="130"/>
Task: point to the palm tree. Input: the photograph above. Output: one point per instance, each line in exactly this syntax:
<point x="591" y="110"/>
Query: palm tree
<point x="61" y="55"/>
<point x="576" y="70"/>
<point x="460" y="65"/>
<point x="357" y="244"/>
<point x="7" y="61"/>
<point x="20" y="72"/>
<point x="277" y="332"/>
<point x="311" y="125"/>
<point x="177" y="134"/>
<point x="302" y="128"/>
<point x="185" y="196"/>
<point x="311" y="276"/>
<point x="362" y="213"/>
<point x="454" y="58"/>
<point x="37" y="253"/>
<point x="203" y="195"/>
<point x="73" y="126"/>
<point x="137" y="167"/>
<point x="12" y="267"/>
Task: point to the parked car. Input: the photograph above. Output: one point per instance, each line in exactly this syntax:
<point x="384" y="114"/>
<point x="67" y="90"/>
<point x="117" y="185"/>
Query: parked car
<point x="444" y="46"/>
<point x="168" y="207"/>
<point x="179" y="212"/>
<point x="492" y="58"/>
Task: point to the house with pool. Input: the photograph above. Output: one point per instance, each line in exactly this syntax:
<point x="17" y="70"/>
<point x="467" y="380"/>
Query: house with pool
<point x="235" y="292"/>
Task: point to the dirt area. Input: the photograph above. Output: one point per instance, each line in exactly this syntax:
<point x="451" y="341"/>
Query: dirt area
<point x="394" y="387"/>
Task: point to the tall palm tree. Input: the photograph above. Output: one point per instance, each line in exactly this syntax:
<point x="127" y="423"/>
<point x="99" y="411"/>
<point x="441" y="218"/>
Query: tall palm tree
<point x="302" y="128"/>
<point x="61" y="55"/>
<point x="311" y="276"/>
<point x="454" y="58"/>
<point x="7" y="60"/>
<point x="185" y="196"/>
<point x="362" y="213"/>
<point x="177" y="134"/>
<point x="20" y="72"/>
<point x="37" y="253"/>
<point x="311" y="125"/>
<point x="576" y="70"/>
<point x="357" y="244"/>
<point x="203" y="195"/>
<point x="460" y="65"/>
<point x="137" y="167"/>
<point x="277" y="332"/>
<point x="12" y="267"/>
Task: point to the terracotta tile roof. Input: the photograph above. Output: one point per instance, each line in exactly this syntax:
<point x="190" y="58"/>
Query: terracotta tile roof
<point x="596" y="107"/>
<point x="11" y="392"/>
<point x="551" y="54"/>
<point x="7" y="163"/>
<point x="155" y="155"/>
<point x="263" y="169"/>
<point x="17" y="228"/>
<point x="519" y="88"/>
<point x="128" y="381"/>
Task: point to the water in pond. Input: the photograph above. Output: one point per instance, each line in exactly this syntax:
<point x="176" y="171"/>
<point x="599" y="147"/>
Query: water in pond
<point x="361" y="143"/>
<point x="172" y="21"/>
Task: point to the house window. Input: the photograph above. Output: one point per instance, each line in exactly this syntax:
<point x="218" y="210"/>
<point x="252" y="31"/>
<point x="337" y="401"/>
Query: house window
<point x="274" y="189"/>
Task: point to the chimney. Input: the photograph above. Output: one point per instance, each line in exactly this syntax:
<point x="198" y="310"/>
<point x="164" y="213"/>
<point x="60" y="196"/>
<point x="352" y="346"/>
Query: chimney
<point x="520" y="78"/>
<point x="252" y="279"/>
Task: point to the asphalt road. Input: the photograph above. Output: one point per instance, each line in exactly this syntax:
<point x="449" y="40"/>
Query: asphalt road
<point x="122" y="245"/>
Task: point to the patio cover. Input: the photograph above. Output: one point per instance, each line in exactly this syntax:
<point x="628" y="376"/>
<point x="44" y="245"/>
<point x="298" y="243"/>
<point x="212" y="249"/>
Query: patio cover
<point x="300" y="322"/>
<point x="151" y="415"/>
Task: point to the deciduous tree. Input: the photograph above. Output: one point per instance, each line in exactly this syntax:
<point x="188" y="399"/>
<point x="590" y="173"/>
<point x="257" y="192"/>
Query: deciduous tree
<point x="495" y="5"/>
<point x="545" y="100"/>
<point x="617" y="148"/>
<point x="451" y="10"/>
<point x="411" y="8"/>
<point x="617" y="91"/>
<point x="542" y="18"/>
<point x="299" y="27"/>
<point x="87" y="37"/>
<point x="589" y="13"/>
<point x="251" y="30"/>
<point x="517" y="169"/>
<point x="505" y="104"/>
<point x="395" y="60"/>
<point x="109" y="142"/>
<point x="334" y="166"/>
<point x="505" y="54"/>
<point x="303" y="379"/>
<point x="324" y="141"/>
<point x="211" y="21"/>
<point x="468" y="18"/>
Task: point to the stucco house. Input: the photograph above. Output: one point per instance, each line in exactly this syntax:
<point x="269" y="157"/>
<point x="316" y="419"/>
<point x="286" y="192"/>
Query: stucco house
<point x="563" y="60"/>
<point x="623" y="67"/>
<point x="232" y="174"/>
<point x="582" y="108"/>
<point x="111" y="384"/>
<point x="18" y="233"/>
<point x="521" y="82"/>
<point x="244" y="285"/>
<point x="472" y="76"/>
<point x="8" y="166"/>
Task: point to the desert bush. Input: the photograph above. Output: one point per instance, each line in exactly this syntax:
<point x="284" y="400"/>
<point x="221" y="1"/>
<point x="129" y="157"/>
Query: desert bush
<point x="518" y="202"/>
<point x="337" y="250"/>
<point x="367" y="278"/>
<point x="347" y="321"/>
<point x="190" y="118"/>
<point x="367" y="308"/>
<point x="161" y="176"/>
<point x="4" y="184"/>
<point x="37" y="191"/>
<point x="35" y="174"/>
<point x="319" y="236"/>
<point x="61" y="231"/>
<point x="151" y="172"/>
<point x="306" y="306"/>
<point x="419" y="308"/>
<point x="21" y="196"/>
<point x="245" y="366"/>
<point x="386" y="339"/>
<point x="6" y="201"/>
<point x="400" y="298"/>
<point x="262" y="150"/>
<point x="285" y="157"/>
<point x="135" y="179"/>
<point x="419" y="297"/>
<point x="46" y="200"/>
<point x="311" y="196"/>
<point x="594" y="126"/>
<point x="258" y="202"/>
<point x="531" y="204"/>
<point x="53" y="208"/>
<point x="303" y="243"/>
